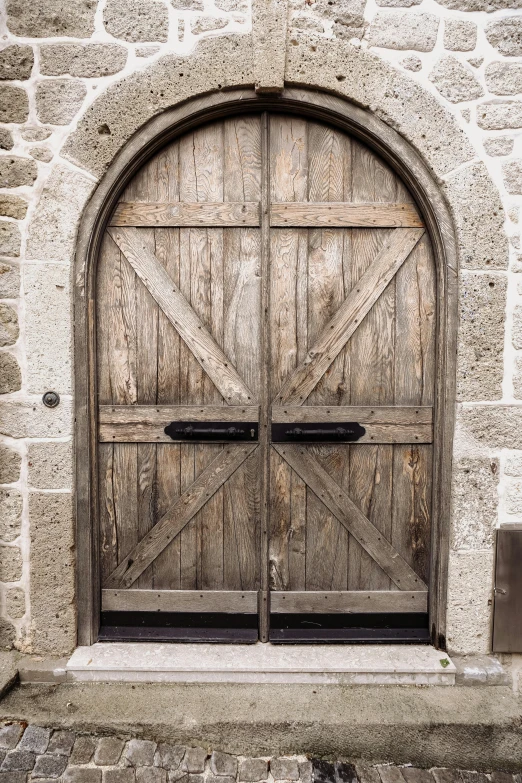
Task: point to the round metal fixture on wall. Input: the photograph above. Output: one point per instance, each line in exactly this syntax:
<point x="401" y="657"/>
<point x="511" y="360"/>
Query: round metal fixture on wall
<point x="51" y="399"/>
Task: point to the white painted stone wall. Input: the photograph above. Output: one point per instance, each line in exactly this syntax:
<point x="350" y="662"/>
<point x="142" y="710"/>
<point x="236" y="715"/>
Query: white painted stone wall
<point x="56" y="58"/>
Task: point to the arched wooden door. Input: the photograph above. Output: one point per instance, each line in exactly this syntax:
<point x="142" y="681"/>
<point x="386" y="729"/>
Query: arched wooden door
<point x="266" y="322"/>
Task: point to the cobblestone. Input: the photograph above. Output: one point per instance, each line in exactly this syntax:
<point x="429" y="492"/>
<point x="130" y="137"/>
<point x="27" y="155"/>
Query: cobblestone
<point x="86" y="759"/>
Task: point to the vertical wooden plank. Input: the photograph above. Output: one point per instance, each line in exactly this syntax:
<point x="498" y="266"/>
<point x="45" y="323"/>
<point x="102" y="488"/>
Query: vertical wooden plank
<point x="143" y="188"/>
<point x="289" y="342"/>
<point x="242" y="345"/>
<point x="326" y="540"/>
<point x="108" y="530"/>
<point x="371" y="378"/>
<point x="201" y="179"/>
<point x="414" y="385"/>
<point x="166" y="567"/>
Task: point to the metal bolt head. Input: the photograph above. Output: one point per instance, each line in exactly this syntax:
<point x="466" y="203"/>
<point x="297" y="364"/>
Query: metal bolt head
<point x="51" y="399"/>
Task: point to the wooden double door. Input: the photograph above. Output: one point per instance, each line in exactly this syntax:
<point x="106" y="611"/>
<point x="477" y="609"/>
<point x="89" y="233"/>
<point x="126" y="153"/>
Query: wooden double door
<point x="266" y="307"/>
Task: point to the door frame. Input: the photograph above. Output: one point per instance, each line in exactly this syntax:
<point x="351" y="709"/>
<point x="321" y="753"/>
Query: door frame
<point x="406" y="162"/>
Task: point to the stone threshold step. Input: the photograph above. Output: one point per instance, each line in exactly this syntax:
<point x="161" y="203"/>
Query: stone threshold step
<point x="261" y="663"/>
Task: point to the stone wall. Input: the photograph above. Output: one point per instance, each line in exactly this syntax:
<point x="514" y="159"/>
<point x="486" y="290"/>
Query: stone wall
<point x="81" y="75"/>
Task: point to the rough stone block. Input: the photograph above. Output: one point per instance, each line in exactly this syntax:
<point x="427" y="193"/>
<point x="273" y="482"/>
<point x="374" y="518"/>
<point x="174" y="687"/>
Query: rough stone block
<point x="35" y="134"/>
<point x="10" y="374"/>
<point x="455" y="81"/>
<point x="9" y="329"/>
<point x="82" y="60"/>
<point x="119" y="775"/>
<point x="10" y="463"/>
<point x="9" y="281"/>
<point x="48" y="18"/>
<point x="505" y="35"/>
<point x="398" y="3"/>
<point x="13" y="777"/>
<point x="15" y="603"/>
<point x="49" y="766"/>
<point x="512" y="172"/>
<point x="61" y="743"/>
<point x="460" y="35"/>
<point x="470" y="583"/>
<point x="284" y="769"/>
<point x="499" y="116"/>
<point x="140" y="753"/>
<point x="108" y="751"/>
<point x="21" y="419"/>
<point x="10" y="239"/>
<point x="10" y="568"/>
<point x="14" y="104"/>
<point x="52" y="573"/>
<point x="253" y="770"/>
<point x="194" y="760"/>
<point x="500" y="145"/>
<point x="210" y="778"/>
<point x="48" y="328"/>
<point x="43" y="154"/>
<point x="21" y="760"/>
<point x="169" y="756"/>
<point x="52" y="232"/>
<point x="479" y="5"/>
<point x="7" y="639"/>
<point x="504" y="78"/>
<point x="10" y="502"/>
<point x="481" y="338"/>
<point x="16" y="62"/>
<point x="205" y="24"/>
<point x="495" y="426"/>
<point x="412" y="63"/>
<point x="83" y="750"/>
<point x="136" y="20"/>
<point x="6" y="139"/>
<point x="404" y="30"/>
<point x="16" y="171"/>
<point x="223" y="763"/>
<point x="146" y="51"/>
<point x="517" y="327"/>
<point x="13" y="206"/>
<point x="517" y="378"/>
<point x="475" y="503"/>
<point x="513" y="497"/>
<point x="479" y="217"/>
<point x="10" y="735"/>
<point x="81" y="775"/>
<point x="188" y="5"/>
<point x="58" y="100"/>
<point x="151" y="775"/>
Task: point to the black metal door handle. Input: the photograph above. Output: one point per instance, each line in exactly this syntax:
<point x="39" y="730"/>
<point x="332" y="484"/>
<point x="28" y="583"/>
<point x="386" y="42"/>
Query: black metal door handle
<point x="212" y="430"/>
<point x="318" y="433"/>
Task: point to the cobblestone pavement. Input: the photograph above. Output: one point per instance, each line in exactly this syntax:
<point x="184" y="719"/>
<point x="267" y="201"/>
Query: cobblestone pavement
<point x="33" y="753"/>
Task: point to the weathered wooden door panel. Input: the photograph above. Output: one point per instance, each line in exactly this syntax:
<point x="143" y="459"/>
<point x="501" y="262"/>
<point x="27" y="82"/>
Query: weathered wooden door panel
<point x="384" y="356"/>
<point x="350" y="317"/>
<point x="152" y="353"/>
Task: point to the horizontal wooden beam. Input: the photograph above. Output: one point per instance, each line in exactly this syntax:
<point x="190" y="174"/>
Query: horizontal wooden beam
<point x="383" y="424"/>
<point x="225" y="601"/>
<point x="184" y="213"/>
<point x="344" y="215"/>
<point x="145" y="423"/>
<point x="364" y="414"/>
<point x="349" y="601"/>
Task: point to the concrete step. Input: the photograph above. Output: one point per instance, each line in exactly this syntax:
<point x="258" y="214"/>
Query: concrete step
<point x="262" y="663"/>
<point x="437" y="726"/>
